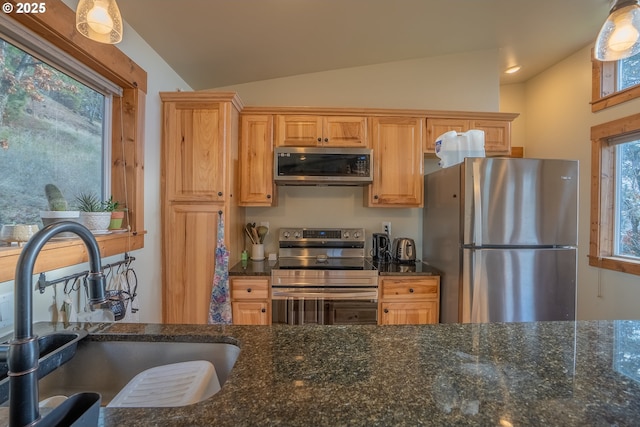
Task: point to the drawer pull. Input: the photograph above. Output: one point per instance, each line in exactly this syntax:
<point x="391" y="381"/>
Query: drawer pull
<point x="264" y="310"/>
<point x="410" y="290"/>
<point x="386" y="310"/>
<point x="249" y="290"/>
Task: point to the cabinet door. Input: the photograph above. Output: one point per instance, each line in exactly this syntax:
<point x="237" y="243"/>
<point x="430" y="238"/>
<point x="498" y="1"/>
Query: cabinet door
<point x="409" y="313"/>
<point x="189" y="243"/>
<point x="250" y="313"/>
<point x="397" y="144"/>
<point x="497" y="135"/>
<point x="345" y="132"/>
<point x="256" y="161"/>
<point x="436" y="127"/>
<point x="299" y="131"/>
<point x="193" y="151"/>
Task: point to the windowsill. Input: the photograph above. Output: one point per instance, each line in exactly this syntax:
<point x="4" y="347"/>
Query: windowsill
<point x="623" y="265"/>
<point x="67" y="252"/>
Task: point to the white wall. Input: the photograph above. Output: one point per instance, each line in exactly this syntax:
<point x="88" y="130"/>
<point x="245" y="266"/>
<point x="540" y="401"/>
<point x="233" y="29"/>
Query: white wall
<point x="467" y="82"/>
<point x="147" y="265"/>
<point x="558" y="123"/>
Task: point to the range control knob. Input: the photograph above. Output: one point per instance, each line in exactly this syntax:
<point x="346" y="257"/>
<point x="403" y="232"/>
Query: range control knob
<point x="356" y="234"/>
<point x="296" y="234"/>
<point x="345" y="235"/>
<point x="286" y="234"/>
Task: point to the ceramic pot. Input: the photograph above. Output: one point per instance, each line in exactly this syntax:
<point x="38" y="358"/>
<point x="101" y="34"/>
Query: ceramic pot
<point x="116" y="220"/>
<point x="97" y="222"/>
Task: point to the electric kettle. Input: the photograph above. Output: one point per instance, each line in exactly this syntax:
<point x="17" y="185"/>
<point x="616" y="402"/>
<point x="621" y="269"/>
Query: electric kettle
<point x="381" y="247"/>
<point x="404" y="250"/>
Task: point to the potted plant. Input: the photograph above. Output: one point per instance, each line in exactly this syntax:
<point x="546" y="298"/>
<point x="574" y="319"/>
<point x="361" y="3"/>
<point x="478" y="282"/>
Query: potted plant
<point x="58" y="207"/>
<point x="117" y="215"/>
<point x="93" y="213"/>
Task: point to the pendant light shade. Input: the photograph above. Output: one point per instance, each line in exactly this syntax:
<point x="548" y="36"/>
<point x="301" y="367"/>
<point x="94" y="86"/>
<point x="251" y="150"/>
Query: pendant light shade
<point x="619" y="37"/>
<point x="99" y="20"/>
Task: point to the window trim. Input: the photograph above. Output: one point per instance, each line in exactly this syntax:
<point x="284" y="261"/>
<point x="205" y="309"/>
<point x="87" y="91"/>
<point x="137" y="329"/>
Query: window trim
<point x="599" y="102"/>
<point x="57" y="26"/>
<point x="603" y="161"/>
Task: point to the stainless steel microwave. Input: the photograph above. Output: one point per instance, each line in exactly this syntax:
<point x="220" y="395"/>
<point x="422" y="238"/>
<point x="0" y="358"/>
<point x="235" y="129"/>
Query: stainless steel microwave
<point x="323" y="166"/>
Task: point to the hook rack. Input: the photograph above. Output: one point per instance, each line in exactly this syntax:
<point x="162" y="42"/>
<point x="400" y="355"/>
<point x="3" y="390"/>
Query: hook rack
<point x="43" y="283"/>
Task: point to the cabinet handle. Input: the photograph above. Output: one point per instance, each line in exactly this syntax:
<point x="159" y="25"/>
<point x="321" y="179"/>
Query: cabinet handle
<point x="326" y="140"/>
<point x="268" y="196"/>
<point x="375" y="196"/>
<point x="219" y="193"/>
<point x="411" y="290"/>
<point x="386" y="310"/>
<point x="249" y="290"/>
<point x="264" y="310"/>
<point x="319" y="139"/>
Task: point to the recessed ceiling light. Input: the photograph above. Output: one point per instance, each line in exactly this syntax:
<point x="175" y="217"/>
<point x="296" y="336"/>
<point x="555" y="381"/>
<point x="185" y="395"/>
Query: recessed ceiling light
<point x="512" y="70"/>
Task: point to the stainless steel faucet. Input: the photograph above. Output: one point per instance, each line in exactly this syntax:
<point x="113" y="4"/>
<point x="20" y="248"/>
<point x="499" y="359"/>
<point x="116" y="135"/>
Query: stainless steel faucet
<point x="23" y="349"/>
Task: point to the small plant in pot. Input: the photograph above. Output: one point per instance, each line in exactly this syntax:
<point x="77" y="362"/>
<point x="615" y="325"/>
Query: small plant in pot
<point x="117" y="215"/>
<point x="93" y="213"/>
<point x="58" y="207"/>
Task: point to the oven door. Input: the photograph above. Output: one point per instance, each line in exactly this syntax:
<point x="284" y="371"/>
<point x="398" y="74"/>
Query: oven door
<point x="322" y="306"/>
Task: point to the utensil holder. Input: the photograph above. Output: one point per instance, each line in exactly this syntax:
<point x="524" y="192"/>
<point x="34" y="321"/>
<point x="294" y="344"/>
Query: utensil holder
<point x="257" y="252"/>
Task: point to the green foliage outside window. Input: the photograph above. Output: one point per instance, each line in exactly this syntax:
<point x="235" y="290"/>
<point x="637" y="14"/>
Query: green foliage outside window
<point x="51" y="131"/>
<point x="628" y="199"/>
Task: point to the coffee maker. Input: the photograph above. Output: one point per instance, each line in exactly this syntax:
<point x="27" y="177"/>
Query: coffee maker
<point x="381" y="247"/>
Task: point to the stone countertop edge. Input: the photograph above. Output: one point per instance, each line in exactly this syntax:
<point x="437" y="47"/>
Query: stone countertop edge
<point x="263" y="268"/>
<point x="539" y="373"/>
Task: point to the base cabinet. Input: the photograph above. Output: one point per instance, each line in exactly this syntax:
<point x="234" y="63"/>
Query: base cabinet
<point x="250" y="302"/>
<point x="409" y="300"/>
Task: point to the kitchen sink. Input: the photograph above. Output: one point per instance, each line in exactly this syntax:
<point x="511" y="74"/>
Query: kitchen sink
<point x="106" y="367"/>
<point x="55" y="350"/>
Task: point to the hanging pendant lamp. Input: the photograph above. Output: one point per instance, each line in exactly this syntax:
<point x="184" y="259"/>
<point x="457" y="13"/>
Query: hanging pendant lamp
<point x="619" y="37"/>
<point x="99" y="20"/>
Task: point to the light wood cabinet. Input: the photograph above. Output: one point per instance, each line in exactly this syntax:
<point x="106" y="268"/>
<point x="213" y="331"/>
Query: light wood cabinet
<point x="398" y="166"/>
<point x="250" y="300"/>
<point x="312" y="131"/>
<point x="409" y="300"/>
<point x="198" y="187"/>
<point x="256" y="161"/>
<point x="497" y="133"/>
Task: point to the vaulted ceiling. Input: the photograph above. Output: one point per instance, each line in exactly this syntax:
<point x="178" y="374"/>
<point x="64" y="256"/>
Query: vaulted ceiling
<point x="214" y="43"/>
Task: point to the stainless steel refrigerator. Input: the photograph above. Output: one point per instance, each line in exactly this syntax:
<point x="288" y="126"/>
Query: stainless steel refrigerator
<point x="504" y="234"/>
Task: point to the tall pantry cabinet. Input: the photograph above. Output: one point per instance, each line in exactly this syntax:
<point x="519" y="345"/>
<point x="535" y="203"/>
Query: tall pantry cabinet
<point x="198" y="186"/>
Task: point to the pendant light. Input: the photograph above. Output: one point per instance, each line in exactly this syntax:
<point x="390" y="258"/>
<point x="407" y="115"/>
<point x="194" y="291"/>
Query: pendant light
<point x="99" y="20"/>
<point x="619" y="37"/>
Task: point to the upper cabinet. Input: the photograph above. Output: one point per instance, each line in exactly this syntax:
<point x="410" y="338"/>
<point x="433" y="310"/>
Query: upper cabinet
<point x="397" y="144"/>
<point x="315" y="130"/>
<point x="497" y="133"/>
<point x="256" y="161"/>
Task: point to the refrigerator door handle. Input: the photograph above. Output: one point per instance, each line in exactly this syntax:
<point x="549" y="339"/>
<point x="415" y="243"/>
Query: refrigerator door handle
<point x="478" y="294"/>
<point x="477" y="206"/>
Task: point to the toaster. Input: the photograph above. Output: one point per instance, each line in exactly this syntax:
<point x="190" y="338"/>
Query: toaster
<point x="404" y="250"/>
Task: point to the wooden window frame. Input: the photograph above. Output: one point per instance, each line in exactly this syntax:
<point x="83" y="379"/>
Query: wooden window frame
<point x="57" y="26"/>
<point x="603" y="161"/>
<point x="599" y="102"/>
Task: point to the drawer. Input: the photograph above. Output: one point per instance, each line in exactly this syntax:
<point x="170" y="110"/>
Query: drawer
<point x="408" y="289"/>
<point x="247" y="289"/>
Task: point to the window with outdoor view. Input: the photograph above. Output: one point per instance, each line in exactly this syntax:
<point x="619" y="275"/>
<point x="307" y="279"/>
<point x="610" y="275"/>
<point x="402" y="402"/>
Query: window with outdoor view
<point x="52" y="130"/>
<point x="615" y="195"/>
<point x="615" y="82"/>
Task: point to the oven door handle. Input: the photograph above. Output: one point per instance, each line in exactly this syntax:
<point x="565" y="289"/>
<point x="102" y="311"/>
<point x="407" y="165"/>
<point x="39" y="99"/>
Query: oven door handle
<point x="333" y="294"/>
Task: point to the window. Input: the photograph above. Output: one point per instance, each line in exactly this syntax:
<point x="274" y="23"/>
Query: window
<point x="614" y="82"/>
<point x="615" y="195"/>
<point x="126" y="142"/>
<point x="52" y="130"/>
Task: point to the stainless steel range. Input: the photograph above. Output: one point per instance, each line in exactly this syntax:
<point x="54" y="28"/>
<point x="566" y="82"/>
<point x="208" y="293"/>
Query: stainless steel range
<point x="324" y="278"/>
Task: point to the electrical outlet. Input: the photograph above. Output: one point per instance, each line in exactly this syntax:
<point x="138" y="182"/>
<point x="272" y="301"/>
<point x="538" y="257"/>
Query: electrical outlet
<point x="386" y="227"/>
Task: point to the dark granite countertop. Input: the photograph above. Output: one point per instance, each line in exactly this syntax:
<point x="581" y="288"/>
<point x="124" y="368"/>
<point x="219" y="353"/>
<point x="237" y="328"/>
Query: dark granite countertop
<point x="517" y="374"/>
<point x="263" y="268"/>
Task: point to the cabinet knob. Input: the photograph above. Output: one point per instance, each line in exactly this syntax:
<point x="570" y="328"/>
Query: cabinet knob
<point x="219" y="193"/>
<point x="249" y="290"/>
<point x="319" y="139"/>
<point x="326" y="140"/>
<point x="375" y="196"/>
<point x="386" y="310"/>
<point x="268" y="196"/>
<point x="411" y="290"/>
<point x="264" y="310"/>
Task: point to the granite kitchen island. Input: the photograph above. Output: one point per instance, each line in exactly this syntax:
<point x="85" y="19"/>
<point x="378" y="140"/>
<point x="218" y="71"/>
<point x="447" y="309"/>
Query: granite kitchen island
<point x="542" y="373"/>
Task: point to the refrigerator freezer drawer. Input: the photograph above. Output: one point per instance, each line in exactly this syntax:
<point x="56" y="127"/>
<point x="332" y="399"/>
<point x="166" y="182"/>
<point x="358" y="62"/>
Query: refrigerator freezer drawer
<point x="518" y="285"/>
